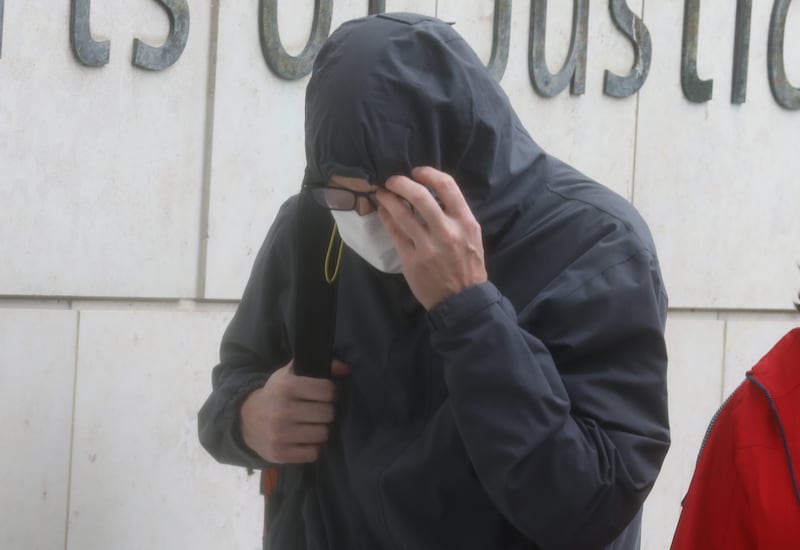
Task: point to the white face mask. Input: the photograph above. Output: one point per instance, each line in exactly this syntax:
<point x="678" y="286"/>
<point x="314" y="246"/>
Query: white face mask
<point x="369" y="239"/>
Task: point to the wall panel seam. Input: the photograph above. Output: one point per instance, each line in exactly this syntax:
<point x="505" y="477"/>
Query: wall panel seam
<point x="72" y="426"/>
<point x="724" y="361"/>
<point x="116" y="303"/>
<point x="636" y="133"/>
<point x="208" y="150"/>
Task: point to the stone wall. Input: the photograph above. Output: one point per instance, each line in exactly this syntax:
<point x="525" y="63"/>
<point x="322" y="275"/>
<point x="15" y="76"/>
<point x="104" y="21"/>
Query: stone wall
<point x="135" y="200"/>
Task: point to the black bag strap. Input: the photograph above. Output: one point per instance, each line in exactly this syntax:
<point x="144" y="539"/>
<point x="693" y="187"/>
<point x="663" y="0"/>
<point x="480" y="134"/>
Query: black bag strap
<point x="315" y="297"/>
<point x="315" y="323"/>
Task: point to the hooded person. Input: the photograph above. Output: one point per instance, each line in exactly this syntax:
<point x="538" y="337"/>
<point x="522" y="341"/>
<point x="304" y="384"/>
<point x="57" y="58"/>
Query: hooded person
<point x="500" y="366"/>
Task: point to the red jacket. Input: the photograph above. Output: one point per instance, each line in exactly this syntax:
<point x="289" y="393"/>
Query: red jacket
<point x="744" y="493"/>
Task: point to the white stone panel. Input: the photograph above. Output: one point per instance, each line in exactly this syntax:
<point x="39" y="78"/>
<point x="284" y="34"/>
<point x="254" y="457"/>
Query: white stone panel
<point x="140" y="478"/>
<point x="746" y="343"/>
<point x="695" y="379"/>
<point x="101" y="167"/>
<point x="37" y="374"/>
<point x="259" y="152"/>
<point x="717" y="181"/>
<point x="593" y="132"/>
<point x="427" y="7"/>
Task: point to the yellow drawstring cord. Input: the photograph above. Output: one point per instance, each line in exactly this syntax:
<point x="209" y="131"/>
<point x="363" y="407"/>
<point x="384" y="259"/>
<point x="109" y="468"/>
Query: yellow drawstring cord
<point x="328" y="277"/>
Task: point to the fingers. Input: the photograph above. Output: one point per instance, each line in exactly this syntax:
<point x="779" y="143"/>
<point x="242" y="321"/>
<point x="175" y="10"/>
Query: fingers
<point x="304" y="434"/>
<point x="397" y="215"/>
<point x="317" y="389"/>
<point x="288" y="420"/>
<point x="426" y="211"/>
<point x="446" y="188"/>
<point x="339" y="369"/>
<point x="305" y="388"/>
<point x="297" y="431"/>
<point x="418" y="193"/>
<point x="441" y="248"/>
<point x="301" y="412"/>
<point x="295" y="454"/>
<point x="399" y="235"/>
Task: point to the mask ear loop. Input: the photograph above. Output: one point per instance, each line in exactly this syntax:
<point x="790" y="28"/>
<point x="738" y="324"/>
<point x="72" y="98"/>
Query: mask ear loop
<point x="330" y="278"/>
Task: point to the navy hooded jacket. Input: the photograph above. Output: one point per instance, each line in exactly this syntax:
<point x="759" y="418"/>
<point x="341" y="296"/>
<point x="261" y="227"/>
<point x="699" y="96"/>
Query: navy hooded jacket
<point x="529" y="411"/>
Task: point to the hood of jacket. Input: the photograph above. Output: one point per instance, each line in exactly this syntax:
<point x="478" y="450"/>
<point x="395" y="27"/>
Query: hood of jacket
<point x="390" y="92"/>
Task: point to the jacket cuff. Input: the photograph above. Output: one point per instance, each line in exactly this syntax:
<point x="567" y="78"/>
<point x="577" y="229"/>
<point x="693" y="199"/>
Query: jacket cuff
<point x="463" y="305"/>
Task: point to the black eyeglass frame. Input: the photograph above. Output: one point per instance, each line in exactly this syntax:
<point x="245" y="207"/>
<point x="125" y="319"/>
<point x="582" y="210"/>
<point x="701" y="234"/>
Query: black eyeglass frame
<point x="318" y="192"/>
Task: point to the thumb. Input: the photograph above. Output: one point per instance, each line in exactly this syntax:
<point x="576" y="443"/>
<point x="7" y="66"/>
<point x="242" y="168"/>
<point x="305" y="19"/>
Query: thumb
<point x="339" y="369"/>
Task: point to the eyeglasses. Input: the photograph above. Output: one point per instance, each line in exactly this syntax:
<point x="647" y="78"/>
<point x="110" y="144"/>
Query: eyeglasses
<point x="337" y="198"/>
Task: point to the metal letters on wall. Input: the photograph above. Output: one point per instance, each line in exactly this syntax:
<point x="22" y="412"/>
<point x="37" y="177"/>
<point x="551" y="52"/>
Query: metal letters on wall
<point x="785" y="94"/>
<point x="88" y="52"/>
<point x="741" y="51"/>
<point x="636" y="31"/>
<point x="377" y="6"/>
<point x="501" y="38"/>
<point x="279" y="61"/>
<point x="574" y="68"/>
<point x="573" y="71"/>
<point x="693" y="88"/>
<point x="157" y="59"/>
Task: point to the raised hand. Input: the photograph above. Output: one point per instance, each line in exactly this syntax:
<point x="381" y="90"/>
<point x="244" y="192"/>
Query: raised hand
<point x="439" y="243"/>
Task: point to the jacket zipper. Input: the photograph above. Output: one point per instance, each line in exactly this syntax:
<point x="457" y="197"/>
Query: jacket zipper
<point x="714" y="421"/>
<point x="772" y="406"/>
<point x="774" y="409"/>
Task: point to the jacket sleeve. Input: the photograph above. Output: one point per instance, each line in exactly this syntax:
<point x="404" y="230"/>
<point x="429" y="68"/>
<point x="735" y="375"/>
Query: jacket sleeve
<point x="562" y="408"/>
<point x="254" y="345"/>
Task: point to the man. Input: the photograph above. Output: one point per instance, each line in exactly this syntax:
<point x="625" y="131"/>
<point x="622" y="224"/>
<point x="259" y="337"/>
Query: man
<point x="500" y="368"/>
